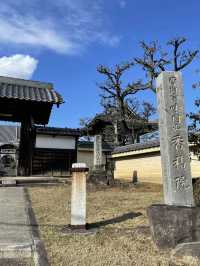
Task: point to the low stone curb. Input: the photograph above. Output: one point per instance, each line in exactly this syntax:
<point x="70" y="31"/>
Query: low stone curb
<point x="20" y="239"/>
<point x="39" y="253"/>
<point x="38" y="248"/>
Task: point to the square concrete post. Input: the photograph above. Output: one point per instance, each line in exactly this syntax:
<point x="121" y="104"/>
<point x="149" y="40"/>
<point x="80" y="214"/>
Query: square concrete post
<point x="78" y="196"/>
<point x="175" y="159"/>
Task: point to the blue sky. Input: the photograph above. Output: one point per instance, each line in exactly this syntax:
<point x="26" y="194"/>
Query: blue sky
<point x="63" y="41"/>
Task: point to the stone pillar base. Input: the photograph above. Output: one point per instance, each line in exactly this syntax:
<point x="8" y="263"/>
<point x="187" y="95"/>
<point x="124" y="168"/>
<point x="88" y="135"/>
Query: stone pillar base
<point x="98" y="176"/>
<point x="99" y="167"/>
<point x="171" y="225"/>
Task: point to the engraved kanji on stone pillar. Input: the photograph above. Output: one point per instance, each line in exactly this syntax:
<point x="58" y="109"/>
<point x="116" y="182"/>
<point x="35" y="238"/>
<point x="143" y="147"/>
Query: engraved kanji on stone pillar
<point x="98" y="152"/>
<point x="177" y="181"/>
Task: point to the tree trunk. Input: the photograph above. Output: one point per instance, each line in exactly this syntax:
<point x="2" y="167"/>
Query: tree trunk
<point x="125" y="131"/>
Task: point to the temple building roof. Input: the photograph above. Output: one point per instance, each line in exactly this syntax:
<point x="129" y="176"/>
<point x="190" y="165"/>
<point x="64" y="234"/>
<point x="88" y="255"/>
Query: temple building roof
<point x="57" y="131"/>
<point x="102" y="120"/>
<point x="20" y="97"/>
<point x="27" y="90"/>
<point x="89" y="145"/>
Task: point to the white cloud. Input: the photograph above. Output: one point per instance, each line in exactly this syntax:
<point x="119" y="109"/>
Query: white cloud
<point x="63" y="26"/>
<point x="109" y="39"/>
<point x="31" y="32"/>
<point x="18" y="66"/>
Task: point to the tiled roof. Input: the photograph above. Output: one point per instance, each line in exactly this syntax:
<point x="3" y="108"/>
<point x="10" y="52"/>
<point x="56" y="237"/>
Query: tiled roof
<point x="137" y="146"/>
<point x="58" y="131"/>
<point x="12" y="88"/>
<point x="90" y="145"/>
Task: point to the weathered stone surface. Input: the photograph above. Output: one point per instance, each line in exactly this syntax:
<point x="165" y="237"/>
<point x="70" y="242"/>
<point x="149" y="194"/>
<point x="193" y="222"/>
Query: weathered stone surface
<point x="17" y="262"/>
<point x="98" y="177"/>
<point x="196" y="191"/>
<point x="175" y="160"/>
<point x="172" y="225"/>
<point x="98" y="152"/>
<point x="99" y="174"/>
<point x="135" y="177"/>
<point x="13" y="251"/>
<point x="78" y="195"/>
<point x="17" y="243"/>
<point x="14" y="224"/>
<point x="187" y="252"/>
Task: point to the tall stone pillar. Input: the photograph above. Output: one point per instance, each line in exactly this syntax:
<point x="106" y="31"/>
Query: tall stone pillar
<point x="98" y="157"/>
<point x="177" y="221"/>
<point x="177" y="181"/>
<point x="78" y="196"/>
<point x="98" y="173"/>
<point x="116" y="141"/>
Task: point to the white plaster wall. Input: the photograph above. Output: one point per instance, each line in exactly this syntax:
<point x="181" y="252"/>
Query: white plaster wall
<point x="55" y="142"/>
<point x="86" y="157"/>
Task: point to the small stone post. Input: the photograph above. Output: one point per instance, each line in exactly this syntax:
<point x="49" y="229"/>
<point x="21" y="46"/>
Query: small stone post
<point x="135" y="177"/>
<point x="78" y="196"/>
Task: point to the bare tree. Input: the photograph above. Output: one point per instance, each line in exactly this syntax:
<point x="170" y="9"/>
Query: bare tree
<point x="147" y="110"/>
<point x="84" y="123"/>
<point x="155" y="60"/>
<point x="118" y="96"/>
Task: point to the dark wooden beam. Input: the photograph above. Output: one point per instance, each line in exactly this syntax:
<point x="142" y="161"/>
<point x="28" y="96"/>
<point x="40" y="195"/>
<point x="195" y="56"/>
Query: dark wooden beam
<point x="26" y="147"/>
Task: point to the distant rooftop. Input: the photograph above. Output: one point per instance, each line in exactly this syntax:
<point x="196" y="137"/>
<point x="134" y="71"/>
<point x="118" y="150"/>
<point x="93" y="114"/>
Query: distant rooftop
<point x="137" y="146"/>
<point x="11" y="134"/>
<point x="90" y="145"/>
<point x="57" y="131"/>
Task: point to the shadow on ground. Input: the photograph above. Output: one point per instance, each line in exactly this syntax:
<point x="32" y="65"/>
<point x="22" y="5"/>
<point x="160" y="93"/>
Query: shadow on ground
<point x="119" y="219"/>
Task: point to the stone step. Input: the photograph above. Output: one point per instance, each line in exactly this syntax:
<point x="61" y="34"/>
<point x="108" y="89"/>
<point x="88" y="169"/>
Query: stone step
<point x="11" y="251"/>
<point x="13" y="181"/>
<point x="17" y="262"/>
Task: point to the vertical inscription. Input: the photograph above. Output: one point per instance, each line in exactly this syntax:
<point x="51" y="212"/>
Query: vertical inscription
<point x="177" y="141"/>
<point x="98" y="151"/>
<point x="173" y="140"/>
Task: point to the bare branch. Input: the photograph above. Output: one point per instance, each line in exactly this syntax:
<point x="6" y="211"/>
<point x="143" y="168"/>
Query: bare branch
<point x="134" y="88"/>
<point x="115" y="94"/>
<point x="108" y="90"/>
<point x="190" y="57"/>
<point x="181" y="58"/>
<point x="108" y="72"/>
<point x="154" y="60"/>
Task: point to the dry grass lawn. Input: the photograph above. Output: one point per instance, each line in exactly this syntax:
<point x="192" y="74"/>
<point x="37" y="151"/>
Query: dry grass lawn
<point x="121" y="240"/>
